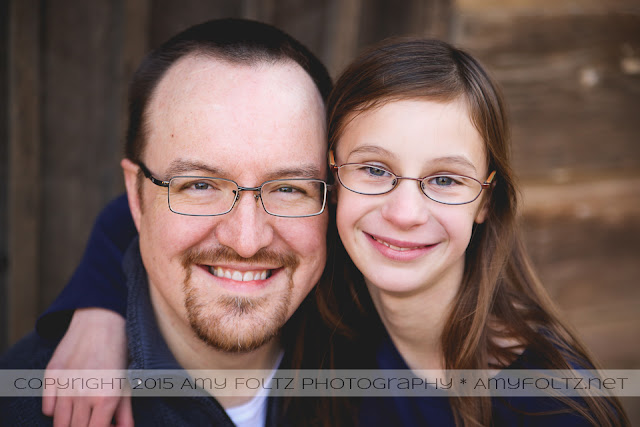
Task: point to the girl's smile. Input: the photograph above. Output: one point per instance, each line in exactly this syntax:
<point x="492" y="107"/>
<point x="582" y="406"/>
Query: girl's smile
<point x="397" y="250"/>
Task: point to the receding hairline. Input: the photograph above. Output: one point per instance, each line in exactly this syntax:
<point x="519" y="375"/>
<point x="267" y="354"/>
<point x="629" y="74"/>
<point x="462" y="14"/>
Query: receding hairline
<point x="254" y="62"/>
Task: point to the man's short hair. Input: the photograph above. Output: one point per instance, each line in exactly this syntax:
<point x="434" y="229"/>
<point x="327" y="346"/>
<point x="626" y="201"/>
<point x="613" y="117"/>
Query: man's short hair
<point x="237" y="41"/>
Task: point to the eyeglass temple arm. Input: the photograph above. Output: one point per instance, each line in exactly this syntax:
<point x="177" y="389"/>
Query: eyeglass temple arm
<point x="147" y="173"/>
<point x="489" y="180"/>
<point x="332" y="160"/>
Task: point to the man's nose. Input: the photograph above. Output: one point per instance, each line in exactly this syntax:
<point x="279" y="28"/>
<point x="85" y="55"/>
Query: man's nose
<point x="406" y="206"/>
<point x="247" y="228"/>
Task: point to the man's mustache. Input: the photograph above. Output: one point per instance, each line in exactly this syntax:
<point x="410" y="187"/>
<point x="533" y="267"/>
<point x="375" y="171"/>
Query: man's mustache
<point x="224" y="254"/>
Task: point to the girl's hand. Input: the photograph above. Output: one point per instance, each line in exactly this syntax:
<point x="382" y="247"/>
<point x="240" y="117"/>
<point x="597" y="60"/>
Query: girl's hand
<point x="96" y="340"/>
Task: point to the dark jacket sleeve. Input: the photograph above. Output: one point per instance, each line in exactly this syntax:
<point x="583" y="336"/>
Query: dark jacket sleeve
<point x="31" y="352"/>
<point x="98" y="281"/>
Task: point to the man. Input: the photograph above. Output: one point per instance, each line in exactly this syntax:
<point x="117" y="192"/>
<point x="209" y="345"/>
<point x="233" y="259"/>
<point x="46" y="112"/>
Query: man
<point x="225" y="174"/>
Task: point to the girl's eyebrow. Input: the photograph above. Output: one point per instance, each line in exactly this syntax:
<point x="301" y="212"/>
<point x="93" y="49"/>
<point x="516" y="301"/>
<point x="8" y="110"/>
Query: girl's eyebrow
<point x="455" y="160"/>
<point x="373" y="149"/>
<point x="451" y="160"/>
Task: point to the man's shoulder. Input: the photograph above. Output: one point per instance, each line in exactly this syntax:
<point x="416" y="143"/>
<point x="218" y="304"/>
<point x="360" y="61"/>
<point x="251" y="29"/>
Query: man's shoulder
<point x="31" y="352"/>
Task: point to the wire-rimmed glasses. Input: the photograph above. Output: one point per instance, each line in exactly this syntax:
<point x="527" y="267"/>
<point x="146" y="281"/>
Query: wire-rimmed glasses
<point x="448" y="189"/>
<point x="211" y="196"/>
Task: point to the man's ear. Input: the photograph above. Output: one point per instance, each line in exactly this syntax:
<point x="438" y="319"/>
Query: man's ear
<point x="131" y="171"/>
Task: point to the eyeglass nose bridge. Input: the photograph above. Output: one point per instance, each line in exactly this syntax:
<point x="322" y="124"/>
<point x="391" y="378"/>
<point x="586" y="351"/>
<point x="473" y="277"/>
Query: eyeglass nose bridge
<point x="396" y="182"/>
<point x="257" y="196"/>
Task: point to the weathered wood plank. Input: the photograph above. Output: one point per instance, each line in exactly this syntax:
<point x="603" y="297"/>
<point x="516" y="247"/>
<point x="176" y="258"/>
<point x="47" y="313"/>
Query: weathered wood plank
<point x="431" y="18"/>
<point x="84" y="85"/>
<point x="306" y="21"/>
<point x="136" y="30"/>
<point x="4" y="173"/>
<point x="258" y="10"/>
<point x="25" y="184"/>
<point x="545" y="6"/>
<point x="572" y="84"/>
<point x="168" y="17"/>
<point x="343" y="27"/>
<point x="585" y="239"/>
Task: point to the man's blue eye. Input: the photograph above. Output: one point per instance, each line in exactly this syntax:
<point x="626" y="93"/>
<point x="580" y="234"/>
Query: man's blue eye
<point x="201" y="186"/>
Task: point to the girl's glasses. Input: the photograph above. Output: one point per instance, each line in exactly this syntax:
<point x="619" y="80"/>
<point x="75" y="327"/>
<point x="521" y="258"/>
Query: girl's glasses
<point x="448" y="189"/>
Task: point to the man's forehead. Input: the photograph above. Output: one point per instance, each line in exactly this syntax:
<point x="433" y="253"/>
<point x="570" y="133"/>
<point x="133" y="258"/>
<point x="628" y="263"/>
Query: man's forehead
<point x="198" y="74"/>
<point x="236" y="116"/>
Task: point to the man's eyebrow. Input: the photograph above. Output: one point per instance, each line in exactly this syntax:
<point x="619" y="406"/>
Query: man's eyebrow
<point x="179" y="167"/>
<point x="302" y="171"/>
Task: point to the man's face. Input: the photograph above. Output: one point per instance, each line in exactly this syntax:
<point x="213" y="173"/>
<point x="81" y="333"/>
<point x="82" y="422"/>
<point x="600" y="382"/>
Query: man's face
<point x="235" y="278"/>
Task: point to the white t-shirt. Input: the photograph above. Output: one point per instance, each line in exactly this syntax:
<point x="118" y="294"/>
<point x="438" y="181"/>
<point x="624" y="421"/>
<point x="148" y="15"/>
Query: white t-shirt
<point x="254" y="412"/>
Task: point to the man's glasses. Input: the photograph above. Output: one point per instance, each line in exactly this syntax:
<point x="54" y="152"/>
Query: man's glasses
<point x="209" y="196"/>
<point x="373" y="180"/>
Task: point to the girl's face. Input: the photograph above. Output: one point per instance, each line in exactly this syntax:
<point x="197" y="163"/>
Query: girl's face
<point x="402" y="241"/>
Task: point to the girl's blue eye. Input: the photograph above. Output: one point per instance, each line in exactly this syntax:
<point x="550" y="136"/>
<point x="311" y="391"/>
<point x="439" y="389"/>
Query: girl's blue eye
<point x="376" y="171"/>
<point x="449" y="181"/>
<point x="444" y="181"/>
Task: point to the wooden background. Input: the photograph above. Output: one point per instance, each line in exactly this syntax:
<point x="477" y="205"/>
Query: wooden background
<point x="570" y="72"/>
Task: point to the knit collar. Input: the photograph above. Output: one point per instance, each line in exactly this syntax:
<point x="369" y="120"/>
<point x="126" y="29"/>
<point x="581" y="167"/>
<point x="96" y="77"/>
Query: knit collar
<point x="147" y="347"/>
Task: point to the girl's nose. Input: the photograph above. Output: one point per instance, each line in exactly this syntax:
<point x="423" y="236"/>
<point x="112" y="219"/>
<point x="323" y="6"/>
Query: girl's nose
<point x="406" y="206"/>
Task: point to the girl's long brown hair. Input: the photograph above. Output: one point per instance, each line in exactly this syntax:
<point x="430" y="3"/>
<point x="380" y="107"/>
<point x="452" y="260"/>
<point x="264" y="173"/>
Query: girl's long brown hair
<point x="500" y="296"/>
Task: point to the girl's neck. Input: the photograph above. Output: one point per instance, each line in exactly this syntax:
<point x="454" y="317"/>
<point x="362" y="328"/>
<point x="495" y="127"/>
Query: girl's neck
<point x="415" y="322"/>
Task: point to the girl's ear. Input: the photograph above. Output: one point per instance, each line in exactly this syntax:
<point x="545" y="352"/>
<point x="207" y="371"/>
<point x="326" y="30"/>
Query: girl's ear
<point x="483" y="211"/>
<point x="481" y="216"/>
<point x="333" y="194"/>
<point x="131" y="171"/>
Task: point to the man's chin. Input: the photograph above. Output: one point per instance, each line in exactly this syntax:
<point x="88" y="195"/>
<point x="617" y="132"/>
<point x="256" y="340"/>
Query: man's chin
<point x="235" y="339"/>
<point x="237" y="324"/>
<point x="242" y="345"/>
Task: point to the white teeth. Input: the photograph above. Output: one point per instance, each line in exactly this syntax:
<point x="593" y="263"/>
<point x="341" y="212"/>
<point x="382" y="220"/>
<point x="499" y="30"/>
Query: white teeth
<point x="395" y="248"/>
<point x="240" y="276"/>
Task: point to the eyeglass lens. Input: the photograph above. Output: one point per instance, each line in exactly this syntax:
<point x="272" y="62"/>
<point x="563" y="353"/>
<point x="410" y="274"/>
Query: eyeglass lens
<point x="445" y="188"/>
<point x="216" y="196"/>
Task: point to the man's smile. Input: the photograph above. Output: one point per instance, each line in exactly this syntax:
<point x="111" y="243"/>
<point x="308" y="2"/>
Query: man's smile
<point x="240" y="276"/>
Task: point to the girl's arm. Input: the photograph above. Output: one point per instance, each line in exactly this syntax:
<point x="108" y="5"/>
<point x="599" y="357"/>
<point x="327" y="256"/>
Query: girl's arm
<point x="92" y="307"/>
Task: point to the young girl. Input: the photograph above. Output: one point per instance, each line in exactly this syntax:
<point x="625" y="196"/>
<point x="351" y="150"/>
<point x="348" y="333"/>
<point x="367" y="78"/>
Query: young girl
<point x="436" y="277"/>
